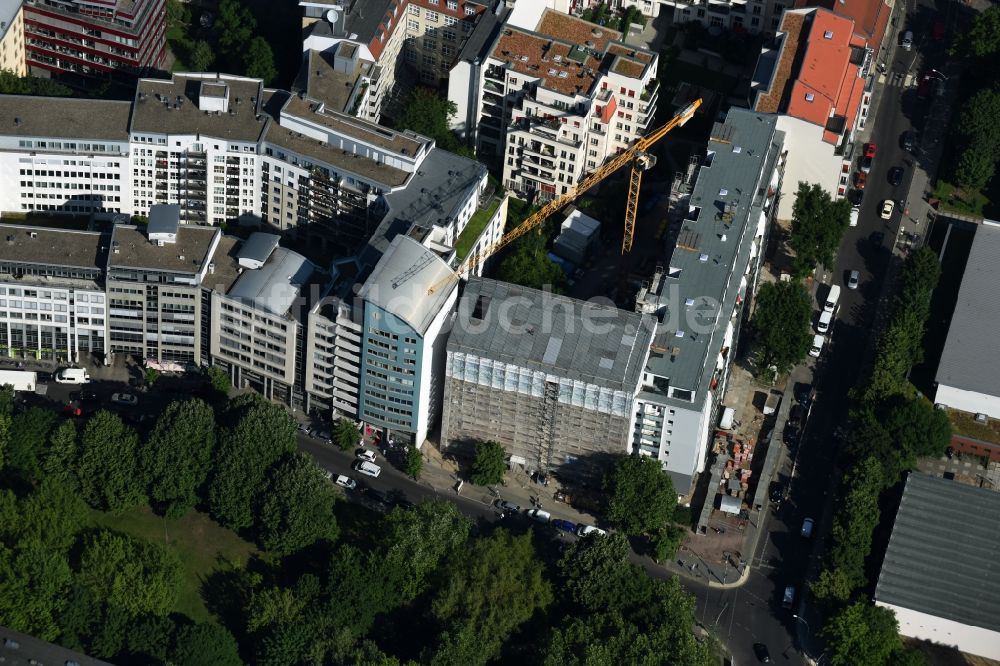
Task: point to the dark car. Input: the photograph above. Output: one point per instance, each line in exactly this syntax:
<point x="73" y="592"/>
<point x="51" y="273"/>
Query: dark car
<point x="403" y="503"/>
<point x="895" y="175"/>
<point x="85" y="395"/>
<point x="803" y="393"/>
<point x="856" y="197"/>
<point x="504" y="505"/>
<point x="908" y="141"/>
<point x="564" y="525"/>
<point x="776" y="491"/>
<point x="763" y="655"/>
<point x="796" y="416"/>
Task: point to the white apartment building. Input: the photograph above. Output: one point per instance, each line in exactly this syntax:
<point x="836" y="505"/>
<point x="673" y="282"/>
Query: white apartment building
<point x="700" y="293"/>
<point x="750" y="15"/>
<point x="555" y="101"/>
<point x="378" y="42"/>
<point x="52" y="301"/>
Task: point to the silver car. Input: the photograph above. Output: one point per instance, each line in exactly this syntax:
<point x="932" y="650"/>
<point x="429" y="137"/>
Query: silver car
<point x="853" y="279"/>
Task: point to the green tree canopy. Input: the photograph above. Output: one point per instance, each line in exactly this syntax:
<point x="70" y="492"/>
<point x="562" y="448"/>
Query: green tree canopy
<point x="528" y="264"/>
<point x="897" y="432"/>
<point x="60" y="459"/>
<point x="641" y="496"/>
<point x="489" y="465"/>
<point x="297" y="507"/>
<point x="108" y="466"/>
<point x="29" y="438"/>
<point x="818" y="224"/>
<point x="218" y="380"/>
<point x="346" y="435"/>
<point x="259" y="434"/>
<point x="413" y="544"/>
<point x="133" y="575"/>
<point x="781" y="326"/>
<point x="413" y="464"/>
<point x="177" y="455"/>
<point x="201" y="56"/>
<point x="258" y="60"/>
<point x="205" y="645"/>
<point x="862" y="634"/>
<point x="425" y="112"/>
<point x="496" y="587"/>
<point x="33" y="583"/>
<point x="982" y="39"/>
<point x="12" y="84"/>
<point x="980" y="136"/>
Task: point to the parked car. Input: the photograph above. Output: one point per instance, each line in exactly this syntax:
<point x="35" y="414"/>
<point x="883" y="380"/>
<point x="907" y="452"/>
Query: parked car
<point x="855" y="214"/>
<point x="504" y="505"/>
<point x="788" y="599"/>
<point x="908" y="140"/>
<point x="852" y="279"/>
<point x="85" y="395"/>
<point x="896" y="175"/>
<point x="796" y="416"/>
<point x="907" y="41"/>
<point x="125" y="399"/>
<point x="870" y="150"/>
<point x="367" y="468"/>
<point x="856" y="197"/>
<point x="564" y="525"/>
<point x="888" y="206"/>
<point x="72" y="376"/>
<point x="760" y="650"/>
<point x="345" y="482"/>
<point x="807" y="528"/>
<point x="860" y="180"/>
<point x="72" y="411"/>
<point x="803" y="393"/>
<point x="365" y="454"/>
<point x="866" y="164"/>
<point x="403" y="503"/>
<point x="776" y="491"/>
<point x="539" y="516"/>
<point x="584" y="530"/>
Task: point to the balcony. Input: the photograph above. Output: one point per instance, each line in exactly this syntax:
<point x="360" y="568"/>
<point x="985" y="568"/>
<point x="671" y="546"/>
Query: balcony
<point x="539" y="148"/>
<point x="492" y="86"/>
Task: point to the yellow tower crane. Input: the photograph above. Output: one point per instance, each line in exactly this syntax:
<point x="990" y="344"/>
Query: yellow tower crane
<point x="636" y="155"/>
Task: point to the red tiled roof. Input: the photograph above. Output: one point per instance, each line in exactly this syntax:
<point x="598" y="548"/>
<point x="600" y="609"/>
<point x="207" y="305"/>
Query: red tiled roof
<point x="871" y="17"/>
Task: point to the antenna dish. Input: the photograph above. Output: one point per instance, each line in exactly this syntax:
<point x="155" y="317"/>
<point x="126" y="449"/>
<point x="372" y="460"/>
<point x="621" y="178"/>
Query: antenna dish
<point x="332" y="15"/>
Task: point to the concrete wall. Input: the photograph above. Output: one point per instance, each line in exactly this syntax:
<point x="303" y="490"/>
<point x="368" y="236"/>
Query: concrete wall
<point x="810" y="159"/>
<point x="974" y="640"/>
<point x="968" y="401"/>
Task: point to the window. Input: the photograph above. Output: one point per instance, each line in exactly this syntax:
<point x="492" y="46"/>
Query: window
<point x="414" y="10"/>
<point x="450" y="20"/>
<point x="429" y="61"/>
<point x="449" y="35"/>
<point x="432" y="17"/>
<point x="470" y="10"/>
<point x="411" y="24"/>
<point x="447" y="51"/>
<point x="432" y="2"/>
<point x="452" y="4"/>
<point x="430" y="44"/>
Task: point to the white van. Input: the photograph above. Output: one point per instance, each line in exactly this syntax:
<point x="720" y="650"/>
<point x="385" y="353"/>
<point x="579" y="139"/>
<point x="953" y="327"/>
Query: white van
<point x="825" y="319"/>
<point x="817" y="346"/>
<point x="831" y="298"/>
<point x="367" y="468"/>
<point x="72" y="376"/>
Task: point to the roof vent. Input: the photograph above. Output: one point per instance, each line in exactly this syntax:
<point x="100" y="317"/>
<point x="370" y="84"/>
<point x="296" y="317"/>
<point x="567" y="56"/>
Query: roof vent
<point x="828" y="34"/>
<point x="523" y="58"/>
<point x="982" y="418"/>
<point x="552" y="72"/>
<point x="597" y="33"/>
<point x="810" y="97"/>
<point x="180" y="257"/>
<point x="689" y="302"/>
<point x="679" y="334"/>
<point x="33" y="234"/>
<point x="17" y="121"/>
<point x="563" y="75"/>
<point x="723" y="238"/>
<point x="703" y="258"/>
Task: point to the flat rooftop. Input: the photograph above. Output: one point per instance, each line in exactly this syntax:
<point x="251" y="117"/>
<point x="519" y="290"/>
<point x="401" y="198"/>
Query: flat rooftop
<point x="345" y="161"/>
<point x="969" y="360"/>
<point x="171" y="107"/>
<point x="46" y="246"/>
<point x="330" y="86"/>
<point x="225" y="267"/>
<point x="33" y="650"/>
<point x="187" y="255"/>
<point x="404" y="143"/>
<point x="580" y="340"/>
<point x="942" y="555"/>
<point x="433" y="197"/>
<point x="64" y="117"/>
<point x="701" y="278"/>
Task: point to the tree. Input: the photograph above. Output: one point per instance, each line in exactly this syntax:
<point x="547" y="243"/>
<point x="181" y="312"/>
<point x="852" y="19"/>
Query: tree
<point x="33" y="583"/>
<point x="641" y="496"/>
<point x="428" y="113"/>
<point x="258" y="60"/>
<point x="218" y="380"/>
<point x="108" y="466"/>
<point x="133" y="575"/>
<point x="346" y="435"/>
<point x="260" y="434"/>
<point x="60" y="460"/>
<point x="666" y="541"/>
<point x="201" y="56"/>
<point x="205" y="645"/>
<point x="177" y="455"/>
<point x="818" y="224"/>
<point x="11" y="83"/>
<point x="596" y="574"/>
<point x="490" y="464"/>
<point x="150" y="376"/>
<point x="286" y="644"/>
<point x="297" y="508"/>
<point x="781" y="326"/>
<point x="29" y="435"/>
<point x="414" y="462"/>
<point x="149" y="638"/>
<point x="528" y="265"/>
<point x="413" y="544"/>
<point x="235" y="26"/>
<point x="975" y="167"/>
<point x="980" y="137"/>
<point x="52" y="515"/>
<point x="982" y="39"/>
<point x="898" y="431"/>
<point x="862" y="634"/>
<point x="486" y="595"/>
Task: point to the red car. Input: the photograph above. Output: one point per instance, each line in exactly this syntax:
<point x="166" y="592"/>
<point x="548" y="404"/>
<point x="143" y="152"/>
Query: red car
<point x="937" y="30"/>
<point x="860" y="178"/>
<point x="870" y="150"/>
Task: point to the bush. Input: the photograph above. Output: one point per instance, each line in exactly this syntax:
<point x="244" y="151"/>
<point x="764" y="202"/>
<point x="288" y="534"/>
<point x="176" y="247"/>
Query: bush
<point x="490" y="464"/>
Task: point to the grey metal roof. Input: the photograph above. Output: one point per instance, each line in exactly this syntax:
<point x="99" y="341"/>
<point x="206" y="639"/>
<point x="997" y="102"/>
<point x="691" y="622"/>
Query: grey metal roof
<point x="433" y="196"/>
<point x="361" y="20"/>
<point x="713" y="249"/>
<point x="164" y="219"/>
<point x="942" y="555"/>
<point x="171" y="107"/>
<point x="480" y="42"/>
<point x="52" y="247"/>
<point x="36" y="651"/>
<point x="969" y="360"/>
<point x="401" y="279"/>
<point x="274" y="286"/>
<point x="582" y="340"/>
<point x="64" y="117"/>
<point x="134" y="250"/>
<point x="257" y="248"/>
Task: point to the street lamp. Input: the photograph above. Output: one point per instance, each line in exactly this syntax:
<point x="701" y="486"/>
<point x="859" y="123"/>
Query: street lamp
<point x="803" y="621"/>
<point x="934" y="71"/>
